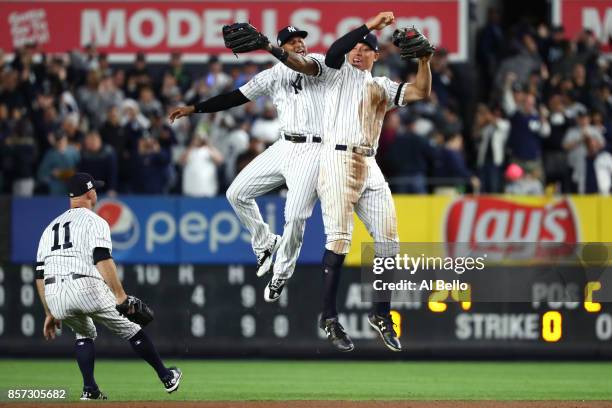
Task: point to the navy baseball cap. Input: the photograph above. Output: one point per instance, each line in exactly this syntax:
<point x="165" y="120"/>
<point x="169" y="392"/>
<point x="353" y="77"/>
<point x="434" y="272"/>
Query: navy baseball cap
<point x="288" y="33"/>
<point x="81" y="183"/>
<point x="371" y="41"/>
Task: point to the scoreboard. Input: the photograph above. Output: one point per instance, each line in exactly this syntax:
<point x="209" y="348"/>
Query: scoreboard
<point x="203" y="311"/>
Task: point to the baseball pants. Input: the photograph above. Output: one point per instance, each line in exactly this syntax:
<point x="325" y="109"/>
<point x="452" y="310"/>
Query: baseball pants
<point x="297" y="165"/>
<point x="78" y="303"/>
<point x="349" y="182"/>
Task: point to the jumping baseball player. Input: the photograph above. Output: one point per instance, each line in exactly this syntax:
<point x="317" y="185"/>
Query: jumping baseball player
<point x="78" y="285"/>
<point x="293" y="159"/>
<point x="349" y="178"/>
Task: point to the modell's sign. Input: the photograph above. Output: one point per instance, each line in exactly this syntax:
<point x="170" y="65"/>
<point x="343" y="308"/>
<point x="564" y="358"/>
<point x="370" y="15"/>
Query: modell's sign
<point x="193" y="27"/>
<point x="483" y="220"/>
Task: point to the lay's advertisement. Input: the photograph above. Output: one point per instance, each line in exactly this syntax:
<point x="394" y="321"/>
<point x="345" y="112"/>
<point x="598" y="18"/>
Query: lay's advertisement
<point x="174" y="230"/>
<point x="497" y="219"/>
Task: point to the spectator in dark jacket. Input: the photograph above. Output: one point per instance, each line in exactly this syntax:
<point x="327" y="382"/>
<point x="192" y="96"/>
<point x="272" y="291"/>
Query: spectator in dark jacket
<point x="135" y="125"/>
<point x="527" y="127"/>
<point x="409" y="160"/>
<point x="19" y="161"/>
<point x="183" y="79"/>
<point x="556" y="166"/>
<point x="489" y="46"/>
<point x="10" y="92"/>
<point x="451" y="169"/>
<point x="161" y="131"/>
<point x="100" y="161"/>
<point x="111" y="132"/>
<point x="58" y="166"/>
<point x="70" y="129"/>
<point x="151" y="168"/>
<point x="553" y="46"/>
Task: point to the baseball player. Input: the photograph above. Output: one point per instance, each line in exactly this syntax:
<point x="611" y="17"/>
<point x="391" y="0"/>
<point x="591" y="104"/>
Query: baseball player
<point x="293" y="159"/>
<point x="78" y="285"/>
<point x="349" y="178"/>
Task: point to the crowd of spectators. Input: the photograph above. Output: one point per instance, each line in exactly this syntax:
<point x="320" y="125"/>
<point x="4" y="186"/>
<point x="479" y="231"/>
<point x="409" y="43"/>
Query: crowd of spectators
<point x="536" y="116"/>
<point x="541" y="120"/>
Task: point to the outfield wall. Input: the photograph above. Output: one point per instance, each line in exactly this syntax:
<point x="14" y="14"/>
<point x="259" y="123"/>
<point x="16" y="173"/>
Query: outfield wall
<point x="175" y="230"/>
<point x="205" y="311"/>
<point x="191" y="260"/>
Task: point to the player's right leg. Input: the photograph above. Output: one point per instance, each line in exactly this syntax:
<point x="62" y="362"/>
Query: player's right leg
<point x="61" y="298"/>
<point x="342" y="176"/>
<point x="260" y="176"/>
<point x="301" y="172"/>
<point x="85" y="353"/>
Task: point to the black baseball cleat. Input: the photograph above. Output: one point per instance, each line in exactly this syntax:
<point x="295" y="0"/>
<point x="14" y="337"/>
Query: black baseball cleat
<point x="274" y="289"/>
<point x="264" y="259"/>
<point x="336" y="334"/>
<point x="384" y="327"/>
<point x="172" y="382"/>
<point x="92" y="394"/>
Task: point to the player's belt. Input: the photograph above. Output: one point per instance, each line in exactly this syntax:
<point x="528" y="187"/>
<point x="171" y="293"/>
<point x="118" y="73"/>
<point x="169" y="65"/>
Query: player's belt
<point x="362" y="150"/>
<point x="300" y="138"/>
<point x="51" y="280"/>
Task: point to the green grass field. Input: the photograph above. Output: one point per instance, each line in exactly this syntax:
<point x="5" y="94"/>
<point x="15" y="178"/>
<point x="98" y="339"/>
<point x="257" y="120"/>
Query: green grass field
<point x="326" y="380"/>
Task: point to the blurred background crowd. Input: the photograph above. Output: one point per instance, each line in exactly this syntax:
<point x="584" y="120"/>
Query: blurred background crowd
<point x="530" y="114"/>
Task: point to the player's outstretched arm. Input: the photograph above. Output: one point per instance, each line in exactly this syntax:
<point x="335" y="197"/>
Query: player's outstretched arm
<point x="296" y="62"/>
<point x="336" y="52"/>
<point x="421" y="88"/>
<point x="243" y="37"/>
<point x="215" y="104"/>
<point x="108" y="270"/>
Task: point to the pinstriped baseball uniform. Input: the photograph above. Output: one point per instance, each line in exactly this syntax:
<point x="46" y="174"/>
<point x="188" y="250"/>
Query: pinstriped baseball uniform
<point x="356" y="107"/>
<point x="66" y="248"/>
<point x="299" y="101"/>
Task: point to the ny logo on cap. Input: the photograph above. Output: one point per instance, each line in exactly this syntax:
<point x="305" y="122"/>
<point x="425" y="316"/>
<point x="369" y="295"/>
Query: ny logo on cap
<point x="89" y="184"/>
<point x="291" y="29"/>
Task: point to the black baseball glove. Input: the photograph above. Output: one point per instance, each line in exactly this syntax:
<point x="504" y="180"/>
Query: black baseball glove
<point x="136" y="310"/>
<point x="243" y="37"/>
<point x="412" y="43"/>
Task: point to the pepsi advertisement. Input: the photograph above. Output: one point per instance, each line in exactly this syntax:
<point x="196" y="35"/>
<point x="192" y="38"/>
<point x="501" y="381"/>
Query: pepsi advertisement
<point x="164" y="230"/>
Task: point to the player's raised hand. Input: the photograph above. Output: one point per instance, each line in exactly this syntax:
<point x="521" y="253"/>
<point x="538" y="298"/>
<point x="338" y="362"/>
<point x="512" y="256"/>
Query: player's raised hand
<point x="180" y="112"/>
<point x="50" y="327"/>
<point x="381" y="20"/>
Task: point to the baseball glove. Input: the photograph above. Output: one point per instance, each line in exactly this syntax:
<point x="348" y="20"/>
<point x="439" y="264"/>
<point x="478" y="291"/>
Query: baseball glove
<point x="243" y="37"/>
<point x="412" y="43"/>
<point x="136" y="310"/>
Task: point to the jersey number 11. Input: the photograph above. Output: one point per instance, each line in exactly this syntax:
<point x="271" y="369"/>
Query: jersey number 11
<point x="67" y="244"/>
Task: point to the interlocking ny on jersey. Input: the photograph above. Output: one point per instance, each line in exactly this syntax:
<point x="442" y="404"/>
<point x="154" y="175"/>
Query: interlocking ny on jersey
<point x="298" y="99"/>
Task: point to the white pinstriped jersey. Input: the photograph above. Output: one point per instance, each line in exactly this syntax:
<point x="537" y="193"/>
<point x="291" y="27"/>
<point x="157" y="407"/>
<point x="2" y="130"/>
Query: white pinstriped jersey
<point x="356" y="105"/>
<point x="66" y="245"/>
<point x="297" y="97"/>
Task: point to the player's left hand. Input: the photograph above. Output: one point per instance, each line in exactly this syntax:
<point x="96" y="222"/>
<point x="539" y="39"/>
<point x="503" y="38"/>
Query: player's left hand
<point x="136" y="310"/>
<point x="412" y="43"/>
<point x="243" y="37"/>
<point x="50" y="327"/>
